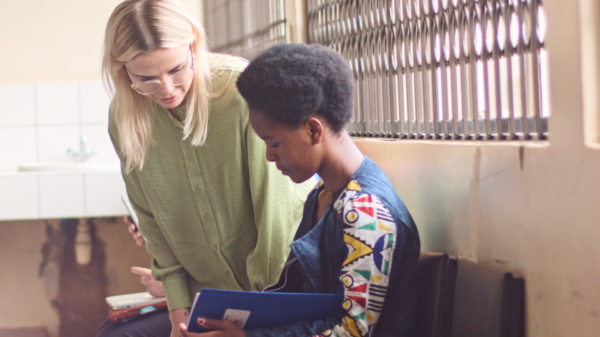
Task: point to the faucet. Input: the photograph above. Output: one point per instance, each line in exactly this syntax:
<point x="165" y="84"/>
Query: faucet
<point x="84" y="153"/>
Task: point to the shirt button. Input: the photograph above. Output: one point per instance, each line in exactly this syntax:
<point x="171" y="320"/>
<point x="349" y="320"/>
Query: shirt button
<point x="199" y="187"/>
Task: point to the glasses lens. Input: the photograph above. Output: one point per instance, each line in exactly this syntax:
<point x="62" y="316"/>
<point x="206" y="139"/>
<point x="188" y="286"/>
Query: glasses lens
<point x="147" y="88"/>
<point x="182" y="77"/>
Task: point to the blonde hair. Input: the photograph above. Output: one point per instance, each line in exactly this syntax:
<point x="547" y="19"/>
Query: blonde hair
<point x="143" y="26"/>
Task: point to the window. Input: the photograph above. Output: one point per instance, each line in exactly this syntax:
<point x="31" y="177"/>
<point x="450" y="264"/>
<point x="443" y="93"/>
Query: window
<point x="245" y="27"/>
<point x="441" y="69"/>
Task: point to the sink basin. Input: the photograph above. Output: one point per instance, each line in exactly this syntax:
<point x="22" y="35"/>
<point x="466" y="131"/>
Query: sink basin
<point x="69" y="167"/>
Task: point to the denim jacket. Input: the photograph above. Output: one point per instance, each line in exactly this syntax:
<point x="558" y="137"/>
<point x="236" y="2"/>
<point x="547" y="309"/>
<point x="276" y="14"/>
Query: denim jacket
<point x="365" y="247"/>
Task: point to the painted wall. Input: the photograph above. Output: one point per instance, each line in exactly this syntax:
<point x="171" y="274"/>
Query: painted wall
<point x="532" y="207"/>
<point x="56" y="40"/>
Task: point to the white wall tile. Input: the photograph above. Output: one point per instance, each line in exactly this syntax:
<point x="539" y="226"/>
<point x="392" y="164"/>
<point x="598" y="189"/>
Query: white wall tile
<point x="103" y="194"/>
<point x="62" y="196"/>
<point x="53" y="142"/>
<point x="19" y="197"/>
<point x="18" y="104"/>
<point x="57" y="103"/>
<point x="97" y="136"/>
<point x="95" y="102"/>
<point x="18" y="144"/>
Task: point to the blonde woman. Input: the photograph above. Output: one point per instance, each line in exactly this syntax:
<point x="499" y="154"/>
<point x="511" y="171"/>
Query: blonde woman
<point x="214" y="212"/>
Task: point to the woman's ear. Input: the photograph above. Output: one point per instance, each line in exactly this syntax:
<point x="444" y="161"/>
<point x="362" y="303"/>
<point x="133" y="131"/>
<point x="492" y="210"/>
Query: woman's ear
<point x="315" y="129"/>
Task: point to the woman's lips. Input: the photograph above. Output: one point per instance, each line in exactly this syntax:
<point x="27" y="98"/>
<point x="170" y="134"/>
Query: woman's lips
<point x="169" y="99"/>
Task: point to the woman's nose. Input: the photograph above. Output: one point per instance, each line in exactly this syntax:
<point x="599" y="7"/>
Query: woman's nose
<point x="166" y="87"/>
<point x="271" y="156"/>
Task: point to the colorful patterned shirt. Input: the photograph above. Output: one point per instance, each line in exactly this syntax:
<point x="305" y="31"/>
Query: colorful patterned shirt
<point x="370" y="233"/>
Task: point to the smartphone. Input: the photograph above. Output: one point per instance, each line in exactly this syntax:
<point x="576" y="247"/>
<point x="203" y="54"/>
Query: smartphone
<point x="132" y="214"/>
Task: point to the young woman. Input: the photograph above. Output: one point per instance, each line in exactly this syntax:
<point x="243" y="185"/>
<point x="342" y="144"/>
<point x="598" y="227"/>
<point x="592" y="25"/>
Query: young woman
<point x="356" y="237"/>
<point x="214" y="212"/>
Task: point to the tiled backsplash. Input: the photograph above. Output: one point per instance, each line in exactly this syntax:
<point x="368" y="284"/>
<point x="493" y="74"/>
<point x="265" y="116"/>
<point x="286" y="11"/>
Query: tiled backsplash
<point x="40" y="121"/>
<point x="61" y="195"/>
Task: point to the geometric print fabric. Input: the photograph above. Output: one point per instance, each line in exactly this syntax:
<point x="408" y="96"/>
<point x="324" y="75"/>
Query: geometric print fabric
<point x="370" y="235"/>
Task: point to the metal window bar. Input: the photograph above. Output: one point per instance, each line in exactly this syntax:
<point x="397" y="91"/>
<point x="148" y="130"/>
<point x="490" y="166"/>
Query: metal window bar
<point x="245" y="27"/>
<point x="439" y="69"/>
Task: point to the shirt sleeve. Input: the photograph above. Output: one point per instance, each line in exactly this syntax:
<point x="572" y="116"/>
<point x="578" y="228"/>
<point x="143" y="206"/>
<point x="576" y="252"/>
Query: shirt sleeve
<point x="277" y="206"/>
<point x="370" y="235"/>
<point x="165" y="266"/>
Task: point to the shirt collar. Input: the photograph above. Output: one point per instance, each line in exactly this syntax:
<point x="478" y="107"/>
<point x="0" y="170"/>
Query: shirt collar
<point x="181" y="111"/>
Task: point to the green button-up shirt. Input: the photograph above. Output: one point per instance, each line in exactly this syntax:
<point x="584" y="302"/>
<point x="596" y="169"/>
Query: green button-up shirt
<point x="217" y="215"/>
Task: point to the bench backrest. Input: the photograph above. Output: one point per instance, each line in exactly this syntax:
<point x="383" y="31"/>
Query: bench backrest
<point x="486" y="302"/>
<point x="433" y="298"/>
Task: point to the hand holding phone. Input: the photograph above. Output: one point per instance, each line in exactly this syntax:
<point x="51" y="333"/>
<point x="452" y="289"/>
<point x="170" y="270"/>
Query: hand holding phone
<point x="133" y="222"/>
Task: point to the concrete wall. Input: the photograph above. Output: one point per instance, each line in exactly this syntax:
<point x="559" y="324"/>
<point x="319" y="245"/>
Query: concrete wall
<point x="30" y="259"/>
<point x="530" y="207"/>
<point x="23" y="295"/>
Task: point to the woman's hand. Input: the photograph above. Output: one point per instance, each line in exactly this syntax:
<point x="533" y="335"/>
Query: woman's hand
<point x="177" y="317"/>
<point x="137" y="236"/>
<point x="154" y="287"/>
<point x="221" y="327"/>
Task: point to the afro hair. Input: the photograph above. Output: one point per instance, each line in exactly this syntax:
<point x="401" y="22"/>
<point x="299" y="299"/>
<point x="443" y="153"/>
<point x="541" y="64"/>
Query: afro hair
<point x="289" y="83"/>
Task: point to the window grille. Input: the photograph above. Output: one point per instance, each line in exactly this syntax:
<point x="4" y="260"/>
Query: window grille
<point x="440" y="69"/>
<point x="245" y="27"/>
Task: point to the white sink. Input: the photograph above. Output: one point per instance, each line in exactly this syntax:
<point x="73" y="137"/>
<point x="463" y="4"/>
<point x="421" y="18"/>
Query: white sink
<point x="8" y="168"/>
<point x="69" y="167"/>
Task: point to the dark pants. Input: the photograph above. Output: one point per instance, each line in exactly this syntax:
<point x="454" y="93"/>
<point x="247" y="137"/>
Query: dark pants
<point x="152" y="325"/>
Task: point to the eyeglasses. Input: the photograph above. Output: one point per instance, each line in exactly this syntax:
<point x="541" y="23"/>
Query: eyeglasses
<point x="153" y="86"/>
